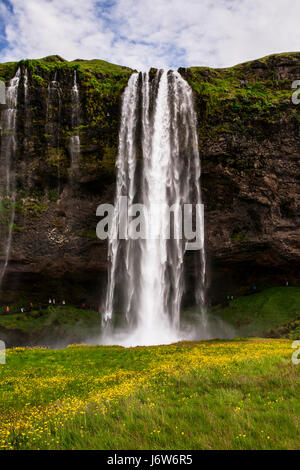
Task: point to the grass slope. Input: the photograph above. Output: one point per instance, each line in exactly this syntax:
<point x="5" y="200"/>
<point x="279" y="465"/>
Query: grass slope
<point x="71" y="318"/>
<point x="272" y="312"/>
<point x="240" y="394"/>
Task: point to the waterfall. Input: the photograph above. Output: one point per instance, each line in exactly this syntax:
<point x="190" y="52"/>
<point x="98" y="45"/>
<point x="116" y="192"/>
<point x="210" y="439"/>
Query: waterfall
<point x="75" y="122"/>
<point x="26" y="89"/>
<point x="27" y="129"/>
<point x="53" y="127"/>
<point x="158" y="166"/>
<point x="53" y="112"/>
<point x="126" y="164"/>
<point x="7" y="171"/>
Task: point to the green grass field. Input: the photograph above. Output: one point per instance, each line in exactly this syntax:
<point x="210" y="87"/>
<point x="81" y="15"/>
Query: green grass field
<point x="241" y="394"/>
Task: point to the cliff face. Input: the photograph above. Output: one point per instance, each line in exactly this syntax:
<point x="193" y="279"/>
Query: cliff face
<point x="250" y="141"/>
<point x="55" y="251"/>
<point x="249" y="138"/>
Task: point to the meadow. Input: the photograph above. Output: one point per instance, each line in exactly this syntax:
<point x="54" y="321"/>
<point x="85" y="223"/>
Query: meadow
<point x="239" y="394"/>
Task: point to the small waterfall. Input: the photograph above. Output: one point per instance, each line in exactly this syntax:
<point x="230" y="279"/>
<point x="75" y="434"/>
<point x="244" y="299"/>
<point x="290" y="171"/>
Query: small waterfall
<point x="7" y="170"/>
<point x="53" y="112"/>
<point x="26" y="89"/>
<point x="126" y="164"/>
<point x="53" y="122"/>
<point x="75" y="122"/>
<point x="158" y="165"/>
<point x="27" y="126"/>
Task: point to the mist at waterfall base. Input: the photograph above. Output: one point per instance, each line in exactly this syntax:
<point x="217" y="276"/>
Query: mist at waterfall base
<point x="191" y="328"/>
<point x="158" y="165"/>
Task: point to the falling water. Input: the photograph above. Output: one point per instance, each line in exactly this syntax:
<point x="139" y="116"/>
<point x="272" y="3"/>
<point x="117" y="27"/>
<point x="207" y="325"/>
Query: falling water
<point x="53" y="126"/>
<point x="53" y="111"/>
<point x="158" y="165"/>
<point x="7" y="172"/>
<point x="27" y="128"/>
<point x="75" y="138"/>
<point x="26" y="89"/>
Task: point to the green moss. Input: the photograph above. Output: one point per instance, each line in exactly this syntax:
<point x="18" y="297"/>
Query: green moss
<point x="56" y="158"/>
<point x="31" y="207"/>
<point x="8" y="70"/>
<point x="39" y="80"/>
<point x="16" y="228"/>
<point x="102" y="163"/>
<point x="109" y="159"/>
<point x="53" y="196"/>
<point x="238" y="236"/>
<point x="86" y="233"/>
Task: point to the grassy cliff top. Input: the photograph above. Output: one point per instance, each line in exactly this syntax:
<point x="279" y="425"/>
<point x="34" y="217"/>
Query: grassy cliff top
<point x="55" y="62"/>
<point x="272" y="59"/>
<point x="250" y="98"/>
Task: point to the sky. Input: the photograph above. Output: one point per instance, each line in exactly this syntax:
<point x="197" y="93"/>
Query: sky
<point x="149" y="33"/>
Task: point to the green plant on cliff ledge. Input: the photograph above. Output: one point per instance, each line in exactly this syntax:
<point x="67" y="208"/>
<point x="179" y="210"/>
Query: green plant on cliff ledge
<point x="31" y="207"/>
<point x="16" y="228"/>
<point x="103" y="163"/>
<point x="239" y="236"/>
<point x="8" y="70"/>
<point x="39" y="80"/>
<point x="56" y="158"/>
<point x="53" y="196"/>
<point x="109" y="159"/>
<point x="87" y="233"/>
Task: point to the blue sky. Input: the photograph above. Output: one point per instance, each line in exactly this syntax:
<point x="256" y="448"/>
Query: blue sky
<point x="145" y="33"/>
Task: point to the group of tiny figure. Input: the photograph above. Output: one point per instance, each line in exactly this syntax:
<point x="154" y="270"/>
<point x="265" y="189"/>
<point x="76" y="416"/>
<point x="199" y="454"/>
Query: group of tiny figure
<point x="50" y="302"/>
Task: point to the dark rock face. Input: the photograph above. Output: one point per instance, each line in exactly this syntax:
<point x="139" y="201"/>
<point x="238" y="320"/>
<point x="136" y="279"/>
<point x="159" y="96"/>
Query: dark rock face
<point x="249" y="139"/>
<point x="251" y="175"/>
<point x="253" y="218"/>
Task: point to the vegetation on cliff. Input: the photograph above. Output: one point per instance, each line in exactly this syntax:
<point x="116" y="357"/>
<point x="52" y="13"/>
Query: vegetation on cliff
<point x="251" y="97"/>
<point x="100" y="84"/>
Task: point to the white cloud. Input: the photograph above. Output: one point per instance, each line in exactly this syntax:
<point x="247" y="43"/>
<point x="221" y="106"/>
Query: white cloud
<point x="144" y="33"/>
